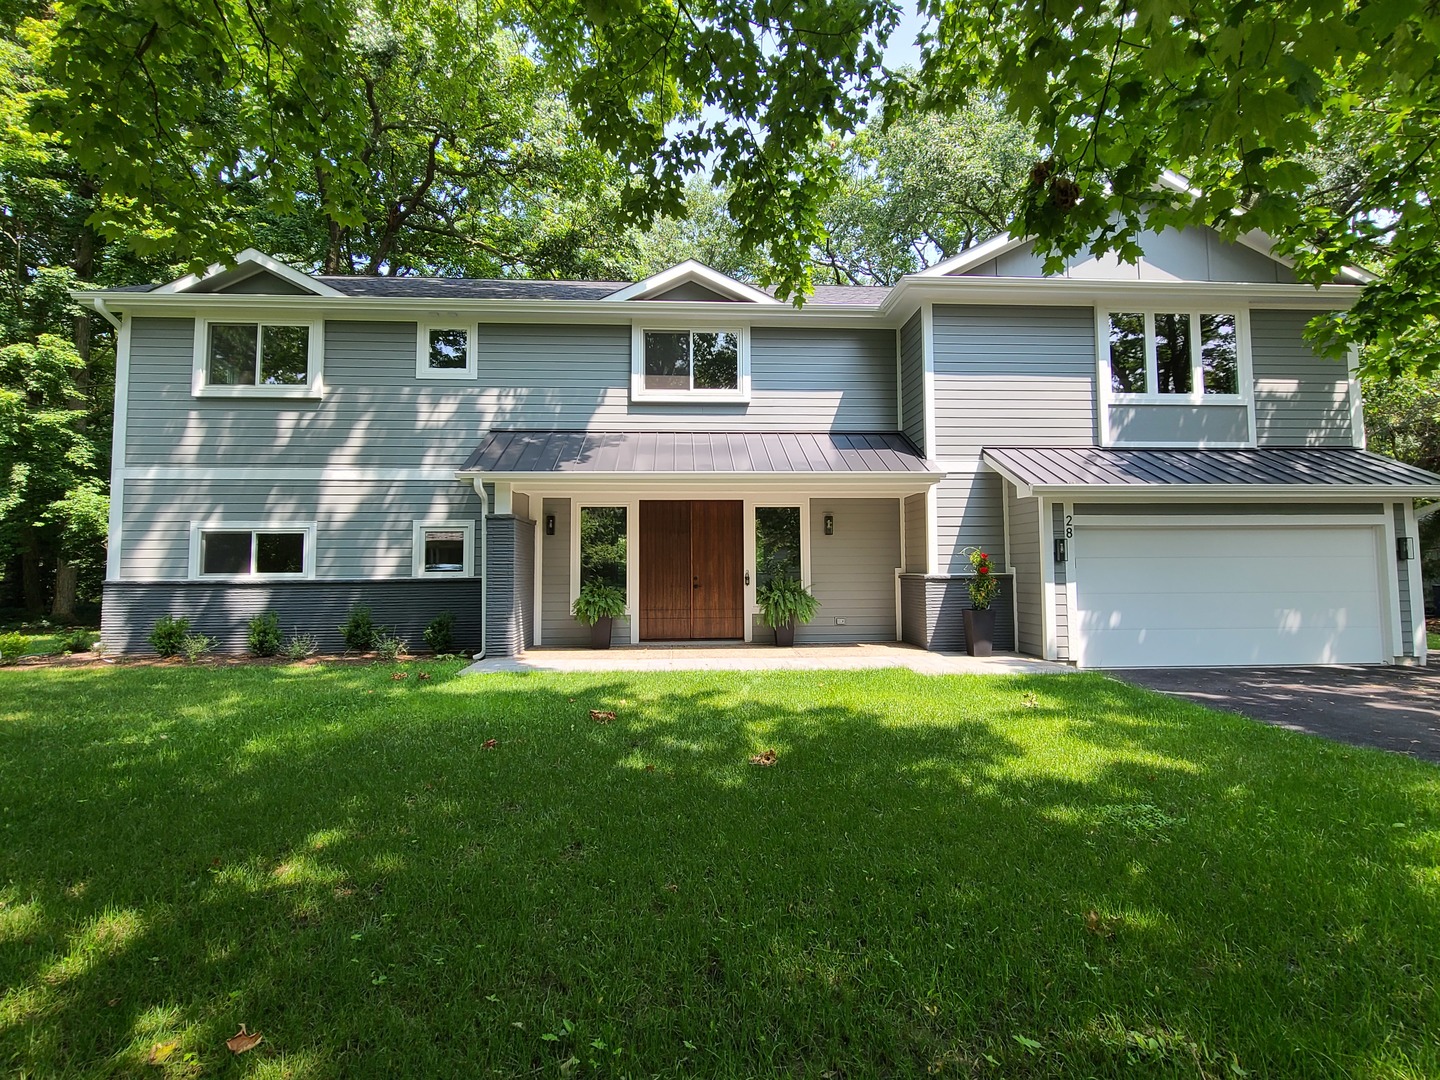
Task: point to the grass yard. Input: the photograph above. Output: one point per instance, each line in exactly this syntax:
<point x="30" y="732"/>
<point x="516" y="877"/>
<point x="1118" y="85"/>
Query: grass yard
<point x="1007" y="877"/>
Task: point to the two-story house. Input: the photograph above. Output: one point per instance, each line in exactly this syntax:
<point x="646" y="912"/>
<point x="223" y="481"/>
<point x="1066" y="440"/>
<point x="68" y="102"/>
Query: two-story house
<point x="1166" y="472"/>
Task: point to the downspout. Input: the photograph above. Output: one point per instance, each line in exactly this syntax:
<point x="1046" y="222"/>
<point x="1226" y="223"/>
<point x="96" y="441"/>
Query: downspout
<point x="105" y="312"/>
<point x="479" y="483"/>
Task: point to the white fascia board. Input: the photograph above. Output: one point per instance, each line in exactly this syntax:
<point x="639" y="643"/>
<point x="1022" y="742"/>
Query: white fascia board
<point x="973" y="257"/>
<point x="1087" y="292"/>
<point x="910" y="482"/>
<point x="1207" y="492"/>
<point x="252" y="258"/>
<point x="697" y="272"/>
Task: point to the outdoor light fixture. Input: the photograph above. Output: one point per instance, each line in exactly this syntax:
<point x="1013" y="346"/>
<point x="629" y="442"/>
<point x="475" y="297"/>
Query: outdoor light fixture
<point x="1404" y="548"/>
<point x="1059" y="550"/>
<point x="549" y="524"/>
<point x="829" y="524"/>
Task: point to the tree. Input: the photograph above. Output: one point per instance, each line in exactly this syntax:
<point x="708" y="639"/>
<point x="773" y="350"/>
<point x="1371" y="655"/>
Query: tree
<point x="1238" y="95"/>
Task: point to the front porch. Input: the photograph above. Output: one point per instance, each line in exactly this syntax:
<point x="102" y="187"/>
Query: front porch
<point x="709" y="656"/>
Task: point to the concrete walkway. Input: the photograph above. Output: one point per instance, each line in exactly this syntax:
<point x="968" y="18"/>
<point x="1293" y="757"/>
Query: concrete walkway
<point x="765" y="658"/>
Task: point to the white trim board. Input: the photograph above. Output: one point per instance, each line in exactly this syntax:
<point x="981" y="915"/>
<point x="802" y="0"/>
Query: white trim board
<point x="691" y="271"/>
<point x="250" y="257"/>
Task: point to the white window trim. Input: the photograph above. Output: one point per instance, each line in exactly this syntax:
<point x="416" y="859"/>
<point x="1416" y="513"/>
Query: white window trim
<point x="314" y="386"/>
<point x="423" y="370"/>
<point x="632" y="562"/>
<point x="1107" y="398"/>
<point x="638" y="391"/>
<point x="752" y="574"/>
<point x="307" y="528"/>
<point x="417" y="548"/>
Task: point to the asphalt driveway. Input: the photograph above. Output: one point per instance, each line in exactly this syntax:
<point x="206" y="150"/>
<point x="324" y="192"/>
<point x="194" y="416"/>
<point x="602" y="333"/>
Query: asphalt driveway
<point x="1392" y="708"/>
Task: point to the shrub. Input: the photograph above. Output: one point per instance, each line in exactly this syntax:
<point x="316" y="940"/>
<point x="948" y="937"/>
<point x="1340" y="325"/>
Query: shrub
<point x="390" y="647"/>
<point x="194" y="646"/>
<point x="440" y="634"/>
<point x="597" y="601"/>
<point x="76" y="641"/>
<point x="785" y="599"/>
<point x="299" y="646"/>
<point x="983" y="586"/>
<point x="264" y="635"/>
<point x="359" y="629"/>
<point x="168" y="636"/>
<point x="12" y="646"/>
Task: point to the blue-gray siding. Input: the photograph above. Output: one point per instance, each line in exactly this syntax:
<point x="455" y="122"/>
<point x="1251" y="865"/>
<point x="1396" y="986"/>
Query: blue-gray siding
<point x="934" y="612"/>
<point x="1405" y="567"/>
<point x="969" y="513"/>
<point x="375" y="413"/>
<point x="917" y="525"/>
<point x="912" y="379"/>
<point x="1013" y="376"/>
<point x="1198" y="425"/>
<point x="1062" y="577"/>
<point x="1301" y="399"/>
<point x="1025" y="562"/>
<point x="224" y="610"/>
<point x="852" y="573"/>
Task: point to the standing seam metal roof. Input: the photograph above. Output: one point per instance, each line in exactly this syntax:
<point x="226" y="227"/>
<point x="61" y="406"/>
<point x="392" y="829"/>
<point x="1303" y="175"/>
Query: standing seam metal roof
<point x="864" y="453"/>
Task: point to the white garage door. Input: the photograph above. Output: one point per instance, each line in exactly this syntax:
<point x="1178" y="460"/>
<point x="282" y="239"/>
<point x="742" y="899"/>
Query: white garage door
<point x="1201" y="596"/>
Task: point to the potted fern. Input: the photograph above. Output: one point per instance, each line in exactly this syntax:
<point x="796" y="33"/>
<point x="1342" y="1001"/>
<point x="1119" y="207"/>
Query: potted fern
<point x="784" y="603"/>
<point x="980" y="619"/>
<point x="598" y="606"/>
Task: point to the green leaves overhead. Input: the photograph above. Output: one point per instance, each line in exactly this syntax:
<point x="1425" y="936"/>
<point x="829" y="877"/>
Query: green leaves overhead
<point x="1245" y="98"/>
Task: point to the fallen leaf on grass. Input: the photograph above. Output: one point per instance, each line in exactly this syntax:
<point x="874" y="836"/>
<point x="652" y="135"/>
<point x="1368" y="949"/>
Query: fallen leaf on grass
<point x="398" y="675"/>
<point x="601" y="716"/>
<point x="1030" y="701"/>
<point x="767" y="757"/>
<point x="1098" y="926"/>
<point x="672" y="887"/>
<point x="242" y="1041"/>
<point x="161" y="1052"/>
<point x="489" y="744"/>
<point x="649" y="768"/>
<point x="424" y="676"/>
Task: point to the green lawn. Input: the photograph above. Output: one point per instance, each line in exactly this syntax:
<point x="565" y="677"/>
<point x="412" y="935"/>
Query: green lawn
<point x="1007" y="877"/>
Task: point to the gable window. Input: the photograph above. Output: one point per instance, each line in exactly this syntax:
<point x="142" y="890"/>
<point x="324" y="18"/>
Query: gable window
<point x="680" y="364"/>
<point x="260" y="359"/>
<point x="444" y="548"/>
<point x="444" y="351"/>
<point x="1172" y="355"/>
<point x="225" y="550"/>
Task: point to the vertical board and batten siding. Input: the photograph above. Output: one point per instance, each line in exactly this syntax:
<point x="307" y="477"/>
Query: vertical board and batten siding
<point x="916" y="534"/>
<point x="969" y="513"/>
<point x="1404" y="567"/>
<point x="376" y="413"/>
<point x="852" y="573"/>
<point x="912" y="379"/>
<point x="1062" y="594"/>
<point x="364" y="529"/>
<point x="1028" y="568"/>
<point x="1013" y="376"/>
<point x="1301" y="399"/>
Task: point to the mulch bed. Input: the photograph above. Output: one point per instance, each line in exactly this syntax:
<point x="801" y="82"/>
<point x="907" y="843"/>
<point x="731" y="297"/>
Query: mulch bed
<point x="90" y="660"/>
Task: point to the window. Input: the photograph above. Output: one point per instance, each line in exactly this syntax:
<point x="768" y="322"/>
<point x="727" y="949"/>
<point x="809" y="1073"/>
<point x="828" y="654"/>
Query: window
<point x="683" y="363"/>
<point x="444" y="548"/>
<point x="227" y="550"/>
<point x="602" y="545"/>
<point x="263" y="359"/>
<point x="1168" y="354"/>
<point x="444" y="352"/>
<point x="777" y="544"/>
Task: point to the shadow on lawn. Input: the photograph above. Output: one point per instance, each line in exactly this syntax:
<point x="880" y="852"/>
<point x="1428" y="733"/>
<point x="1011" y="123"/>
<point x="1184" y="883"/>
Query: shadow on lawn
<point x="932" y="874"/>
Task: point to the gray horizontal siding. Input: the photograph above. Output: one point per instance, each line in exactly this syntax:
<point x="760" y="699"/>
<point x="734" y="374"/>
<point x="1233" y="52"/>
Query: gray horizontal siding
<point x="914" y="612"/>
<point x="1062" y="594"/>
<point x="1007" y="376"/>
<point x="557" y="625"/>
<point x="1025" y="561"/>
<point x="1200" y="425"/>
<point x="1194" y="254"/>
<point x="224" y="611"/>
<point x="912" y="379"/>
<point x="852" y="573"/>
<point x="949" y="598"/>
<point x="1405" y="567"/>
<point x="1301" y="399"/>
<point x="376" y="413"/>
<point x="969" y="513"/>
<point x="917" y="527"/>
<point x="363" y="528"/>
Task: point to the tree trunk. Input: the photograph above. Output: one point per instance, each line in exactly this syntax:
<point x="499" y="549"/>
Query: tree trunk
<point x="31" y="581"/>
<point x="66" y="579"/>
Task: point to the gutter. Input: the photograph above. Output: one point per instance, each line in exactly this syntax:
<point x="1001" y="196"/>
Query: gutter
<point x="98" y="302"/>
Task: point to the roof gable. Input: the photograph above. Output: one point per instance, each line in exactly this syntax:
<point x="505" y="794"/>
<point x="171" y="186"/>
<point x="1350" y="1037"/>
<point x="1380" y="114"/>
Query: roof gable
<point x="253" y="272"/>
<point x="679" y="282"/>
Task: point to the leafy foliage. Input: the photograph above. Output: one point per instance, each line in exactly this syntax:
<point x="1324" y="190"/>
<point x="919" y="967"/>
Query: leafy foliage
<point x="195" y="646"/>
<point x="263" y="634"/>
<point x="983" y="585"/>
<point x="359" y="631"/>
<point x="300" y="646"/>
<point x="440" y="634"/>
<point x="12" y="646"/>
<point x="598" y="600"/>
<point x="1247" y="99"/>
<point x="785" y="600"/>
<point x="602" y="545"/>
<point x="168" y="635"/>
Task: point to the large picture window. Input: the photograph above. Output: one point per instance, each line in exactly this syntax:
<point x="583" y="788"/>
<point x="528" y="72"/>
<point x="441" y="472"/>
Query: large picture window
<point x="1173" y="354"/>
<point x="275" y="359"/>
<point x="777" y="544"/>
<point x="602" y="545"/>
<point x="230" y="551"/>
<point x="674" y="364"/>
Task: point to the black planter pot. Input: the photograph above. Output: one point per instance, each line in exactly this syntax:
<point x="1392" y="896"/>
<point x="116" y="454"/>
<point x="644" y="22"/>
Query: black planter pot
<point x="979" y="632"/>
<point x="785" y="634"/>
<point x="600" y="633"/>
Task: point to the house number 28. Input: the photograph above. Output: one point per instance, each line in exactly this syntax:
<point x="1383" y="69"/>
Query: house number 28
<point x="1069" y="526"/>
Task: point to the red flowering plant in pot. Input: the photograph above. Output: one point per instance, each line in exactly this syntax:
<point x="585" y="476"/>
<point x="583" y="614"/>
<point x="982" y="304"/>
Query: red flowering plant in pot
<point x="980" y="618"/>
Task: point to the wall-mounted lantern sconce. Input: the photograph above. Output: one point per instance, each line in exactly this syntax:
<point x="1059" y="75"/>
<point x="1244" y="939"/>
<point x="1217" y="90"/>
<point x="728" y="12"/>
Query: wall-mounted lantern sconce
<point x="1059" y="550"/>
<point x="1404" y="548"/>
<point x="829" y="524"/>
<point x="549" y="524"/>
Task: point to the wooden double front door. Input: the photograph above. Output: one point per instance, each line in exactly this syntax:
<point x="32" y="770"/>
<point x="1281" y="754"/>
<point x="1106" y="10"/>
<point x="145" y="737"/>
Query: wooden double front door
<point x="692" y="575"/>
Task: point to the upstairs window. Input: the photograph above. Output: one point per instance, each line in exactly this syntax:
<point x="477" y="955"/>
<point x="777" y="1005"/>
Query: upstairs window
<point x="676" y="364"/>
<point x="264" y="359"/>
<point x="445" y="352"/>
<point x="1170" y="355"/>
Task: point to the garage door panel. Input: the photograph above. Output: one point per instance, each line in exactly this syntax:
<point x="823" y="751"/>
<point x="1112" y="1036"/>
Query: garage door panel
<point x="1187" y="595"/>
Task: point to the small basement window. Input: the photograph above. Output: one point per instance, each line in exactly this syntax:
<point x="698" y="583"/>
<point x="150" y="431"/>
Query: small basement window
<point x="226" y="551"/>
<point x="1169" y="355"/>
<point x="444" y="351"/>
<point x="444" y="548"/>
<point x="268" y="359"/>
<point x="677" y="364"/>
